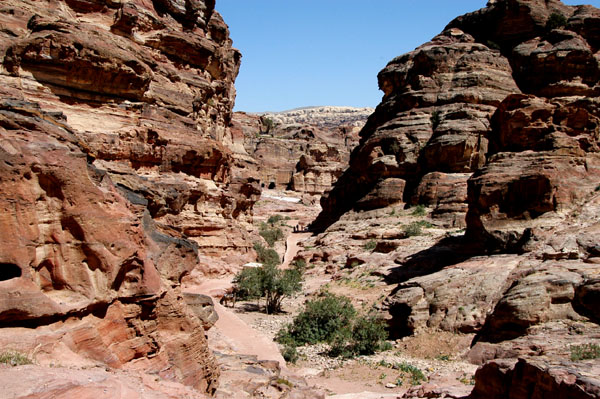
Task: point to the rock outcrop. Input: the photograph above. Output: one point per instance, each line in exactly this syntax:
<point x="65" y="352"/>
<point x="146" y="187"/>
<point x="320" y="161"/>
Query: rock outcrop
<point x="116" y="178"/>
<point x="433" y="121"/>
<point x="494" y="125"/>
<point x="302" y="150"/>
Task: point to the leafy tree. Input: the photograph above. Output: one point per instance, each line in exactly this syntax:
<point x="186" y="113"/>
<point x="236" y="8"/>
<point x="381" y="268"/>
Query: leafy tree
<point x="266" y="256"/>
<point x="268" y="281"/>
<point x="273" y="219"/>
<point x="267" y="123"/>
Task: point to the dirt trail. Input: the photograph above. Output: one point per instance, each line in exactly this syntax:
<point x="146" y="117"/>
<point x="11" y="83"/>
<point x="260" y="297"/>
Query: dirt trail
<point x="292" y="248"/>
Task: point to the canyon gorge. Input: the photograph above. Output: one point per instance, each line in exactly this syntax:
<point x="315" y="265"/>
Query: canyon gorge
<point x="463" y="211"/>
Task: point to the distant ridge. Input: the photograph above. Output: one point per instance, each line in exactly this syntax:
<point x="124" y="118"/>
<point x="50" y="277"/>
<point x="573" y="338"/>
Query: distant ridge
<point x="325" y="116"/>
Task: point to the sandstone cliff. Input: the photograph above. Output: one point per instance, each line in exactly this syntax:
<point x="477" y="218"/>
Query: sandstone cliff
<point x="303" y="150"/>
<point x="493" y="125"/>
<point x="115" y="176"/>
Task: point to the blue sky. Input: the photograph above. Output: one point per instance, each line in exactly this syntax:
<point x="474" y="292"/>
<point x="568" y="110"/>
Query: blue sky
<point x="298" y="53"/>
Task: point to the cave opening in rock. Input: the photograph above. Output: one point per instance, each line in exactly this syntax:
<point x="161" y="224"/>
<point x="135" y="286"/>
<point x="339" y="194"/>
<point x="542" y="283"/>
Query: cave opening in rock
<point x="9" y="271"/>
<point x="271" y="185"/>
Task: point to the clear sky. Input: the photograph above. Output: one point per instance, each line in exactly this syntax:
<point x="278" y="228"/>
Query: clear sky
<point x="298" y="53"/>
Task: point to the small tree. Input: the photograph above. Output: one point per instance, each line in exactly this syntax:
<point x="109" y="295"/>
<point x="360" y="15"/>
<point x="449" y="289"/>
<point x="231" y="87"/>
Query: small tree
<point x="268" y="281"/>
<point x="270" y="234"/>
<point x="266" y="256"/>
<point x="267" y="123"/>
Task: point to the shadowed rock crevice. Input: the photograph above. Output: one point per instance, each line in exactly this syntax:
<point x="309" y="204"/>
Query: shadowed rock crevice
<point x="8" y="271"/>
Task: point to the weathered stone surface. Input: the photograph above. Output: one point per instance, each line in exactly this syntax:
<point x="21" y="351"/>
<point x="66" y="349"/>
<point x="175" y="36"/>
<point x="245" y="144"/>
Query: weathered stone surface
<point x="203" y="307"/>
<point x="447" y="194"/>
<point x="59" y="382"/>
<point x="544" y="293"/>
<point x="457" y="298"/>
<point x="547" y="158"/>
<point x="304" y="150"/>
<point x="529" y="378"/>
<point x="434" y="117"/>
<point x="116" y="180"/>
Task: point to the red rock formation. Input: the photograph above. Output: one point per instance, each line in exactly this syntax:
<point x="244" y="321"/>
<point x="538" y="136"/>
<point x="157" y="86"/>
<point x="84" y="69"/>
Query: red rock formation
<point x="115" y="173"/>
<point x="434" y="117"/>
<point x="305" y="153"/>
<point x="497" y="116"/>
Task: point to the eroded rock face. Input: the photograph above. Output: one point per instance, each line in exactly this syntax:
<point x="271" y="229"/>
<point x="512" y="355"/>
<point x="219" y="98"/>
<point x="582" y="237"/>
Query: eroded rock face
<point x="496" y="117"/>
<point x="529" y="378"/>
<point x="434" y="117"/>
<point x="304" y="150"/>
<point x="117" y="177"/>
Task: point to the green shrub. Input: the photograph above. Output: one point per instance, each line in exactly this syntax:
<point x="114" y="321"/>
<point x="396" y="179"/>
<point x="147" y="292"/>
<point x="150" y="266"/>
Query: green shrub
<point x="290" y="354"/>
<point x="585" y="352"/>
<point x="322" y="320"/>
<point x="266" y="256"/>
<point x="270" y="234"/>
<point x="299" y="264"/>
<point x="413" y="229"/>
<point x="274" y="219"/>
<point x="368" y="335"/>
<point x="332" y="319"/>
<point x="416" y="375"/>
<point x="370" y="245"/>
<point x="13" y="358"/>
<point x="267" y="123"/>
<point x="598" y="187"/>
<point x="556" y="20"/>
<point x="419" y="210"/>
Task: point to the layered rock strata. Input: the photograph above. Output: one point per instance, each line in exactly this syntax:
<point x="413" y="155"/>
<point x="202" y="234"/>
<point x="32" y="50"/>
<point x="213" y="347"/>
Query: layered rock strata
<point x="116" y="178"/>
<point x="303" y="150"/>
<point x="493" y="125"/>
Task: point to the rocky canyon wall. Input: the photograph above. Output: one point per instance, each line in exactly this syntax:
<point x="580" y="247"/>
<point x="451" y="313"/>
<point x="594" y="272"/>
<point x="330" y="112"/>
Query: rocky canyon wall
<point x="495" y="92"/>
<point x="494" y="126"/>
<point x="303" y="150"/>
<point x="116" y="179"/>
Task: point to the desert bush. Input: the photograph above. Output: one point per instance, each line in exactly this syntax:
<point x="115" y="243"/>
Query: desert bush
<point x="299" y="264"/>
<point x="416" y="375"/>
<point x="368" y="335"/>
<point x="270" y="234"/>
<point x="332" y="319"/>
<point x="419" y="210"/>
<point x="585" y="352"/>
<point x="266" y="256"/>
<point x="13" y="358"/>
<point x="267" y="123"/>
<point x="413" y="229"/>
<point x="273" y="219"/>
<point x="556" y="20"/>
<point x="370" y="245"/>
<point x="290" y="353"/>
<point x="322" y="320"/>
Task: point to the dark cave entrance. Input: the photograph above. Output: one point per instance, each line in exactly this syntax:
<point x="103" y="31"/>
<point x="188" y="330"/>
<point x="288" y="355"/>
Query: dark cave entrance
<point x="9" y="271"/>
